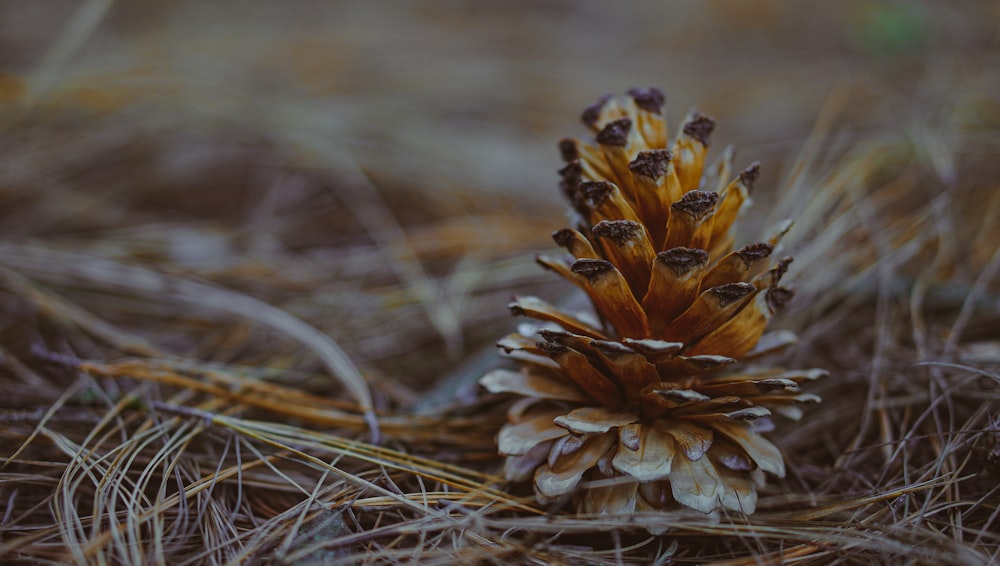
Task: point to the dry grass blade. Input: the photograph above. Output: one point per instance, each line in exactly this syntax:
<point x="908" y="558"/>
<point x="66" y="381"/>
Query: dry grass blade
<point x="106" y="274"/>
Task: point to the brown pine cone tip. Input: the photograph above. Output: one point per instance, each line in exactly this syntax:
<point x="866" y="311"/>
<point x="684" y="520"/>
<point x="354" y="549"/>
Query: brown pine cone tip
<point x="641" y="408"/>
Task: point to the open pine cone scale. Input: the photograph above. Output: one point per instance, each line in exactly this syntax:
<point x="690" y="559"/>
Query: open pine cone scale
<point x="639" y="408"/>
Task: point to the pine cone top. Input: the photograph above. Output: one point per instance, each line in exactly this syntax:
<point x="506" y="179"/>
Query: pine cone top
<point x="636" y="400"/>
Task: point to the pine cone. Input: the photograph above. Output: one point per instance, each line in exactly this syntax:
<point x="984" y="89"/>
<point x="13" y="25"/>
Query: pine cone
<point x="635" y="410"/>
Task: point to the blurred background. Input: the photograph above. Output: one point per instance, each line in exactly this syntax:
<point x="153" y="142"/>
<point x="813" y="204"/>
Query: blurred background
<point x="385" y="170"/>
